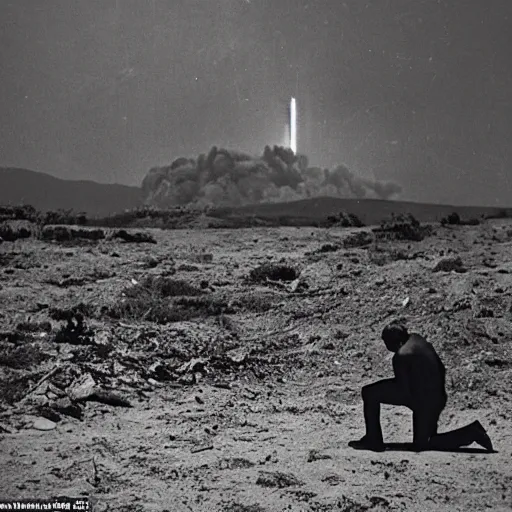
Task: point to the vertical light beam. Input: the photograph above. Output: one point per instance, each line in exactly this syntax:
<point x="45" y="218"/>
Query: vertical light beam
<point x="293" y="125"/>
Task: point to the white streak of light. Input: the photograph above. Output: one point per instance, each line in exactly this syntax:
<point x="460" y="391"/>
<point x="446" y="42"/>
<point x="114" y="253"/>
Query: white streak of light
<point x="293" y="126"/>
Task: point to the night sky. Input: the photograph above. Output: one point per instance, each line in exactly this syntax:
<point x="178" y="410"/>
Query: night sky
<point x="416" y="92"/>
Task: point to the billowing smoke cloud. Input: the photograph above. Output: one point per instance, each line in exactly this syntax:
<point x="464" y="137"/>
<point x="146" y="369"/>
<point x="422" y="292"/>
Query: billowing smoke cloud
<point x="230" y="178"/>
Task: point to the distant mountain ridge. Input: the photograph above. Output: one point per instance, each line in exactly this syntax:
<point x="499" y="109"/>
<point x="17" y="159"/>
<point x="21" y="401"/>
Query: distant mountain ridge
<point x="45" y="192"/>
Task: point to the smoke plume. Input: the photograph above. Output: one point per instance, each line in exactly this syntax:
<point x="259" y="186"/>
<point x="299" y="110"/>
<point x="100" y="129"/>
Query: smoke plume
<point x="229" y="178"/>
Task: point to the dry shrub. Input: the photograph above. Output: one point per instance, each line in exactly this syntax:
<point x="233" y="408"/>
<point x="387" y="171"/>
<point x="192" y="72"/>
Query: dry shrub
<point x="329" y="248"/>
<point x="138" y="237"/>
<point x="402" y="227"/>
<point x="22" y="357"/>
<point x="66" y="234"/>
<point x="344" y="220"/>
<point x="11" y="234"/>
<point x="20" y="212"/>
<point x="33" y="327"/>
<point x="360" y="239"/>
<point x="164" y="300"/>
<point x="453" y="219"/>
<point x="162" y="287"/>
<point x="14" y="389"/>
<point x="65" y="314"/>
<point x="75" y="332"/>
<point x="272" y="272"/>
<point x="254" y="302"/>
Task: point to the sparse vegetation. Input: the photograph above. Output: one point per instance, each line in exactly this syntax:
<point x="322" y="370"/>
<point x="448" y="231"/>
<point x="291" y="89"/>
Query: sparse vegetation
<point x="453" y="219"/>
<point x="162" y="287"/>
<point x="138" y="238"/>
<point x="251" y="350"/>
<point x="66" y="234"/>
<point x="21" y="357"/>
<point x="402" y="227"/>
<point x="344" y="220"/>
<point x="273" y="272"/>
<point x="164" y="300"/>
<point x="67" y="314"/>
<point x="21" y="212"/>
<point x="254" y="302"/>
<point x="500" y="214"/>
<point x="329" y="248"/>
<point x="361" y="239"/>
<point x="75" y="332"/>
<point x="63" y="217"/>
<point x="11" y="234"/>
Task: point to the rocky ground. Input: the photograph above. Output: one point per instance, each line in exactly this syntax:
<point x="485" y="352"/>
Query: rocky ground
<point x="168" y="376"/>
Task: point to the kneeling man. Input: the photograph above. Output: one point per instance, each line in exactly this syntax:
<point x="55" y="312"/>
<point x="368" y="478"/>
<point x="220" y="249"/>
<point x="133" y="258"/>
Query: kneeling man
<point x="419" y="384"/>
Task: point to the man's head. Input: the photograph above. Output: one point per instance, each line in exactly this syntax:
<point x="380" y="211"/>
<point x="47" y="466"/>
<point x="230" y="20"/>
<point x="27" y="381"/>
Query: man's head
<point x="394" y="336"/>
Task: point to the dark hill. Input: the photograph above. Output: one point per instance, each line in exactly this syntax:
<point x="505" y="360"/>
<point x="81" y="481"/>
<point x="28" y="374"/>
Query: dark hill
<point x="45" y="192"/>
<point x="370" y="211"/>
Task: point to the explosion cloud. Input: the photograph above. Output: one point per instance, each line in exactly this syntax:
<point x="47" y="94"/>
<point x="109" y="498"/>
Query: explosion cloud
<point x="229" y="178"/>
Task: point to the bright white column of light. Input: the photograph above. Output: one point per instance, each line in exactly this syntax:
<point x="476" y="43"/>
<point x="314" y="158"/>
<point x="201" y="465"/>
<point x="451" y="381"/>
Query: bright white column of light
<point x="293" y="125"/>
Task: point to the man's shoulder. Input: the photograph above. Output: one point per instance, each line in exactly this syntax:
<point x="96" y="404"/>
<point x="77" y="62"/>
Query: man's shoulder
<point x="416" y="338"/>
<point x="415" y="344"/>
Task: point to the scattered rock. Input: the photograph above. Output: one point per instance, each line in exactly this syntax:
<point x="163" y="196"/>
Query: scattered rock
<point x="238" y="355"/>
<point x="193" y="366"/>
<point x="201" y="448"/>
<point x="235" y="463"/>
<point x="68" y="408"/>
<point x="6" y="429"/>
<point x="82" y="389"/>
<point x="315" y="455"/>
<point x="43" y="424"/>
<point x="161" y="372"/>
<point x="332" y="479"/>
<point x="49" y="413"/>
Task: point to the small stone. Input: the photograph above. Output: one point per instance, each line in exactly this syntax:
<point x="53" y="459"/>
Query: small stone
<point x="43" y="424"/>
<point x="82" y="388"/>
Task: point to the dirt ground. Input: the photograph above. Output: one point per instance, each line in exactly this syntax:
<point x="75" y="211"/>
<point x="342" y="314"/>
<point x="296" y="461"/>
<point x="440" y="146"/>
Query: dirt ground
<point x="251" y="409"/>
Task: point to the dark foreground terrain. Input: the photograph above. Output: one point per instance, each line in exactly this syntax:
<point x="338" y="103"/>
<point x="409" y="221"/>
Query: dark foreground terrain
<point x="244" y="390"/>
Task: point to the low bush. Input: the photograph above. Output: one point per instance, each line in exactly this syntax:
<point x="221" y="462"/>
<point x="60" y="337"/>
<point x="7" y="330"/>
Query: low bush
<point x="273" y="272"/>
<point x="11" y="234"/>
<point x="164" y="300"/>
<point x="344" y="220"/>
<point x="453" y="219"/>
<point x="402" y="227"/>
<point x="138" y="238"/>
<point x="66" y="234"/>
